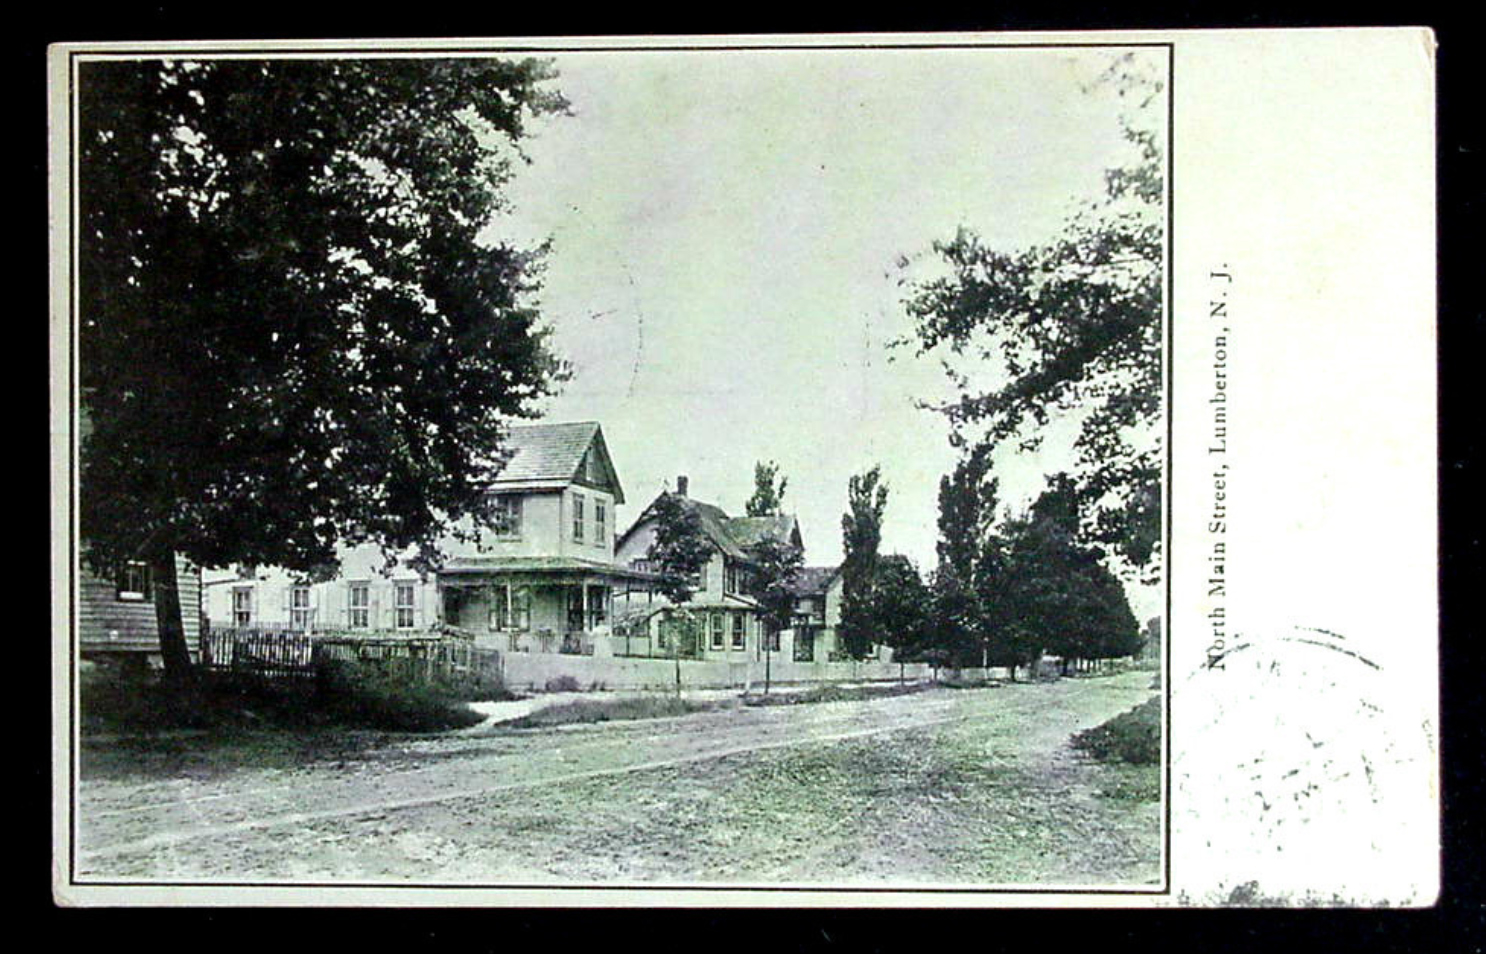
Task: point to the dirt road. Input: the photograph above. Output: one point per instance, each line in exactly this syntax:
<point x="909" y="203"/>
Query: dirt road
<point x="948" y="786"/>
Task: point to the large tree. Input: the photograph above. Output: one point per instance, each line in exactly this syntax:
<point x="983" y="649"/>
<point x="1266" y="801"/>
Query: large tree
<point x="861" y="534"/>
<point x="771" y="581"/>
<point x="768" y="490"/>
<point x="903" y="603"/>
<point x="678" y="554"/>
<point x="292" y="332"/>
<point x="1068" y="331"/>
<point x="1062" y="597"/>
<point x="963" y="607"/>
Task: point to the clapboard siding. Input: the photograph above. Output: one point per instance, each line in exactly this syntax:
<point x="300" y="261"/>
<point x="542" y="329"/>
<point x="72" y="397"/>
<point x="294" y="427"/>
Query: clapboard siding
<point x="106" y="623"/>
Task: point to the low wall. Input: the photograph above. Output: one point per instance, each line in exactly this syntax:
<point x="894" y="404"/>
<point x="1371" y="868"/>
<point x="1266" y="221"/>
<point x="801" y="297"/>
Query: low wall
<point x="528" y="671"/>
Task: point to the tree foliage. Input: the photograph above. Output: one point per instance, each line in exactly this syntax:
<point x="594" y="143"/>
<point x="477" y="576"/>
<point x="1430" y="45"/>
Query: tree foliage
<point x="974" y="621"/>
<point x="291" y="331"/>
<point x="680" y="549"/>
<point x="1064" y="599"/>
<point x="1070" y="329"/>
<point x="771" y="579"/>
<point x="861" y="534"/>
<point x="902" y="603"/>
<point x="768" y="490"/>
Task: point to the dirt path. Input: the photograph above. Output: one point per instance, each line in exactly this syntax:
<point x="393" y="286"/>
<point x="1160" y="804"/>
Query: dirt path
<point x="879" y="789"/>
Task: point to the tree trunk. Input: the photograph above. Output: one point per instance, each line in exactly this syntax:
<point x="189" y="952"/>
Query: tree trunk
<point x="168" y="623"/>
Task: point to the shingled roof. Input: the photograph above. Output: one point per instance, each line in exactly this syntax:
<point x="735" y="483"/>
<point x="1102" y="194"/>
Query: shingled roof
<point x="751" y="531"/>
<point x="541" y="454"/>
<point x="813" y="580"/>
<point x="733" y="535"/>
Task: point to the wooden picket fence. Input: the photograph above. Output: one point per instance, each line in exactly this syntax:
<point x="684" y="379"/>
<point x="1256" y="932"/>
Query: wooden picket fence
<point x="446" y="655"/>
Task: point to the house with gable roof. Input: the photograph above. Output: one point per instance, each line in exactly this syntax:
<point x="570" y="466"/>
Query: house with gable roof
<point x="732" y="628"/>
<point x="540" y="578"/>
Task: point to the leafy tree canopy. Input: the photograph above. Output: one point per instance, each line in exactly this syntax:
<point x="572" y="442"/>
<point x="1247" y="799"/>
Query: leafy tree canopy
<point x="902" y="602"/>
<point x="861" y="534"/>
<point x="291" y="331"/>
<point x="771" y="578"/>
<point x="768" y="490"/>
<point x="1070" y="329"/>
<point x="680" y="549"/>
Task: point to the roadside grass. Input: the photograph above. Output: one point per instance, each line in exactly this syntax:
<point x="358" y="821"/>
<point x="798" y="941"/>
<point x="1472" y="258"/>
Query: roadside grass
<point x="944" y="804"/>
<point x="608" y="710"/>
<point x="830" y="693"/>
<point x="1133" y="736"/>
<point x="113" y="703"/>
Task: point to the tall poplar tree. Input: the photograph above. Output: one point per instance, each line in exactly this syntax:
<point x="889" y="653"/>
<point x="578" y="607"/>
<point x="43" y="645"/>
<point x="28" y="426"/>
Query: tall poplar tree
<point x="861" y="534"/>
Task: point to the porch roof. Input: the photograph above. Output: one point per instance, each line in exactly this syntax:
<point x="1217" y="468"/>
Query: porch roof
<point x="475" y="569"/>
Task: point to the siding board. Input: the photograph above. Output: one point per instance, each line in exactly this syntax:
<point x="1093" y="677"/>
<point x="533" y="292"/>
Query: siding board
<point x="107" y="624"/>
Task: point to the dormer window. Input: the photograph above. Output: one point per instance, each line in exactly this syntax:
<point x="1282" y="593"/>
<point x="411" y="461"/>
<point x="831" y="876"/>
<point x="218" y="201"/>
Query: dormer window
<point x="578" y="518"/>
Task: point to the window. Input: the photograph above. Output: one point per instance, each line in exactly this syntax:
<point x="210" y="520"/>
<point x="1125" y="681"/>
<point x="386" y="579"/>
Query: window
<point x="641" y="564"/>
<point x="242" y="606"/>
<point x="730" y="577"/>
<point x="500" y="608"/>
<point x="360" y="604"/>
<point x="403" y="604"/>
<point x="598" y="613"/>
<point x="300" y="614"/>
<point x="737" y="630"/>
<point x="600" y="517"/>
<point x="134" y="581"/>
<point x="717" y="630"/>
<point x="577" y="518"/>
<point x="507" y="518"/>
<point x="804" y="645"/>
<point x="520" y="608"/>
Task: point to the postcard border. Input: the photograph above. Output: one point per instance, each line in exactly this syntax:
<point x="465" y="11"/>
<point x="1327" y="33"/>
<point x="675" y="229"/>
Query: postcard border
<point x="430" y="49"/>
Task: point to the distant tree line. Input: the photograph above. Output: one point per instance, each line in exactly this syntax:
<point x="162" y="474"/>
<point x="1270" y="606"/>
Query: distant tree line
<point x="1006" y="590"/>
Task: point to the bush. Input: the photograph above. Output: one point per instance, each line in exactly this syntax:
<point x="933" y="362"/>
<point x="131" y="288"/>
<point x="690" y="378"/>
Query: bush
<point x="368" y="699"/>
<point x="1133" y="736"/>
<point x="563" y="684"/>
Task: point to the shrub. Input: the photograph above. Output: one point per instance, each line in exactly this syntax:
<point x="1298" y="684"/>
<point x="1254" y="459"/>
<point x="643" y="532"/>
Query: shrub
<point x="563" y="684"/>
<point x="1133" y="736"/>
<point x="368" y="699"/>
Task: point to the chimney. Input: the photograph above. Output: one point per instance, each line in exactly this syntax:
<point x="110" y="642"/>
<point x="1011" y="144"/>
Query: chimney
<point x="681" y="485"/>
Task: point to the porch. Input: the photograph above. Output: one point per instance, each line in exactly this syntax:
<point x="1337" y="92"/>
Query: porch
<point x="535" y="605"/>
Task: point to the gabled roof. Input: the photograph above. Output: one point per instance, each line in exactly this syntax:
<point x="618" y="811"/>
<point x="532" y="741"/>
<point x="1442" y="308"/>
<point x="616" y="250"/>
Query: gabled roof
<point x="751" y="531"/>
<point x="813" y="580"/>
<point x="551" y="455"/>
<point x="732" y="535"/>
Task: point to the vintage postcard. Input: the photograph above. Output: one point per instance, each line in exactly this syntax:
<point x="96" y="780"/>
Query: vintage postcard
<point x="974" y="470"/>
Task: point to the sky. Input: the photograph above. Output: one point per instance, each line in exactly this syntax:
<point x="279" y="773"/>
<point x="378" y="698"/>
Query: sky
<point x="726" y="228"/>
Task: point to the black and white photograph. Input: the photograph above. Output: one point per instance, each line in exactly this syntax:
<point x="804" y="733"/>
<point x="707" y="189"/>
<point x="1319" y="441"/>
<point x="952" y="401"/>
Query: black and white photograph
<point x="647" y="466"/>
